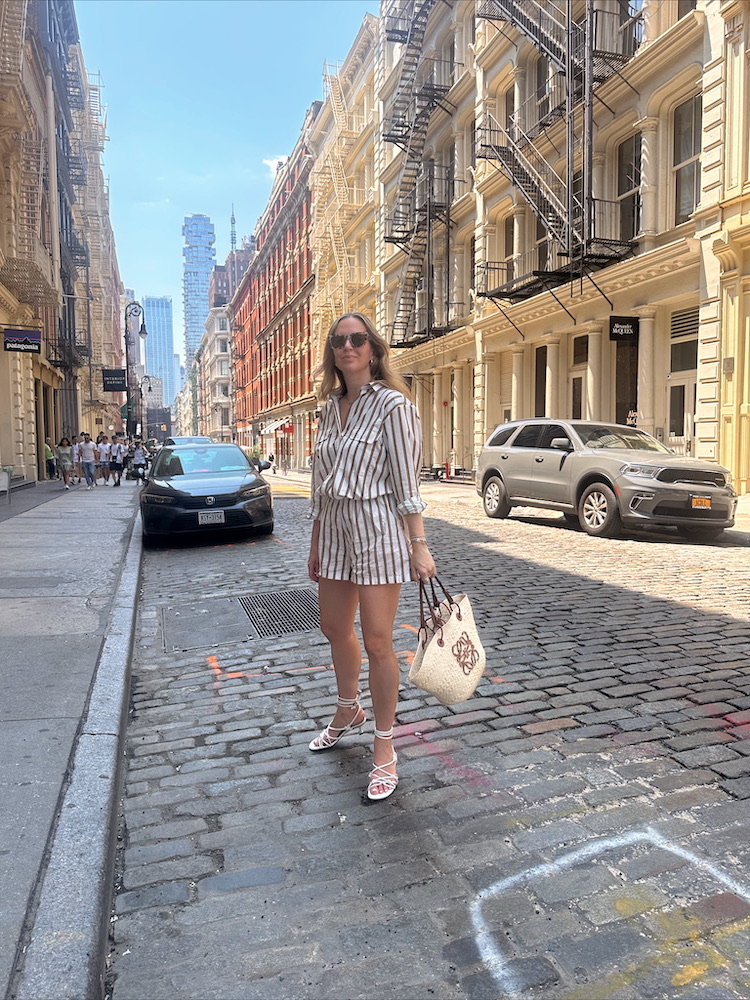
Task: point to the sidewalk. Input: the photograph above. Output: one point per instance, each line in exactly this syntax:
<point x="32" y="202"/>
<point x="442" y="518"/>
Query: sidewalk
<point x="64" y="558"/>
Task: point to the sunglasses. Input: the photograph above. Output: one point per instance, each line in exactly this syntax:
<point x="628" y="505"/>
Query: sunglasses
<point x="338" y="340"/>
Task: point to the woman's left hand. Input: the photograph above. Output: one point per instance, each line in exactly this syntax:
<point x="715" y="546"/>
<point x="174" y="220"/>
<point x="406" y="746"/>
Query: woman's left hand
<point x="422" y="563"/>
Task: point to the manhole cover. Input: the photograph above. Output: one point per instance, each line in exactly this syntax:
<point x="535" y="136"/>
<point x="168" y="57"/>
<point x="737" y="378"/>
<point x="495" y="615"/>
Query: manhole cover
<point x="282" y="612"/>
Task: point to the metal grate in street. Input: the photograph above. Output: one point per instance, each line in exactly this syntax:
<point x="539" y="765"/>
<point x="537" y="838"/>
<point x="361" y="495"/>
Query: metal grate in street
<point x="282" y="612"/>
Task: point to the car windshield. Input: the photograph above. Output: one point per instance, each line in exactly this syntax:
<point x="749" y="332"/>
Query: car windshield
<point x="630" y="438"/>
<point x="179" y="461"/>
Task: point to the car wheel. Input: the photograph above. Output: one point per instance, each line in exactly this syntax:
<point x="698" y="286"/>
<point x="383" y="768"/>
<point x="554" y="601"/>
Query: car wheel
<point x="494" y="498"/>
<point x="702" y="534"/>
<point x="598" y="513"/>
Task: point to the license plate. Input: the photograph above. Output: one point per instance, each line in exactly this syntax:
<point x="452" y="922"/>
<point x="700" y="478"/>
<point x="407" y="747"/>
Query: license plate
<point x="210" y="517"/>
<point x="704" y="502"/>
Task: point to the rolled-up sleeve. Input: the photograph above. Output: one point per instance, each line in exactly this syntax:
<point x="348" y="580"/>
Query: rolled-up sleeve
<point x="403" y="441"/>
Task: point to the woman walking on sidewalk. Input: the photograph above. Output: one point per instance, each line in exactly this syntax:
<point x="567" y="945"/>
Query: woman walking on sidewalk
<point x="65" y="460"/>
<point x="368" y="536"/>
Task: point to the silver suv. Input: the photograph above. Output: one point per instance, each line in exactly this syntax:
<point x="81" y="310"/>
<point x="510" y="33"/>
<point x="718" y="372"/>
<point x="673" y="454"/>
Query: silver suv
<point x="602" y="476"/>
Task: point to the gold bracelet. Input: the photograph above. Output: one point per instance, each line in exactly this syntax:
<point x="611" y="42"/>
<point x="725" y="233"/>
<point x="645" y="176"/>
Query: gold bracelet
<point x="418" y="539"/>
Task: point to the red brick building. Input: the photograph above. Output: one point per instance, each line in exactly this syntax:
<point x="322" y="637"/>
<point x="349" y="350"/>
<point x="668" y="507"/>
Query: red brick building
<point x="273" y="352"/>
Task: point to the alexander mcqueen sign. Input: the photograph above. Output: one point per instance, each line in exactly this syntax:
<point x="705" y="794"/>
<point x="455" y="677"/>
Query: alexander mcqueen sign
<point x="623" y="327"/>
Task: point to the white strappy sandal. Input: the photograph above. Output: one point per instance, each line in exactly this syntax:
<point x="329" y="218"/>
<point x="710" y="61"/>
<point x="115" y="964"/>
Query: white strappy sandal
<point x="379" y="777"/>
<point x="332" y="734"/>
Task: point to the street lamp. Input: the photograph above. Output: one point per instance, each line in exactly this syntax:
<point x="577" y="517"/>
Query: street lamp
<point x="146" y="379"/>
<point x="132" y="309"/>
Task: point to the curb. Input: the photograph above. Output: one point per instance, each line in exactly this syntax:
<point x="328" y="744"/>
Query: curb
<point x="66" y="944"/>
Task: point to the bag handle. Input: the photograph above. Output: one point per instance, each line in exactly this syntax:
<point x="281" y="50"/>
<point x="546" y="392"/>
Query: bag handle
<point x="433" y="601"/>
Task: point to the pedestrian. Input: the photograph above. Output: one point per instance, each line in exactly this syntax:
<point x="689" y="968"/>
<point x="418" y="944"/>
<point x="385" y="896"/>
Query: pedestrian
<point x="103" y="452"/>
<point x="116" y="451"/>
<point x="87" y="452"/>
<point x="77" y="438"/>
<point x="368" y="537"/>
<point x="139" y="460"/>
<point x="65" y="460"/>
<point x="49" y="458"/>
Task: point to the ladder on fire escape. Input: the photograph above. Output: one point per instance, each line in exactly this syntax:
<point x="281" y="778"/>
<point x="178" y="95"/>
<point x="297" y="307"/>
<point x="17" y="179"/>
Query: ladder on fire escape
<point x="587" y="53"/>
<point x="417" y="96"/>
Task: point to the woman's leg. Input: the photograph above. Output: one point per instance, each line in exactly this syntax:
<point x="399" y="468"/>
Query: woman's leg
<point x="377" y="613"/>
<point x="338" y="605"/>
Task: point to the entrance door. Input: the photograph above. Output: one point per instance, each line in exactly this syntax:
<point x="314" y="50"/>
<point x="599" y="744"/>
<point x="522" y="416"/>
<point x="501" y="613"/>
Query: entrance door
<point x="681" y="397"/>
<point x="577" y="396"/>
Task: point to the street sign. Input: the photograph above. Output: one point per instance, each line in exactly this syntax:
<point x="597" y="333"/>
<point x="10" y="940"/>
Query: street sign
<point x="114" y="380"/>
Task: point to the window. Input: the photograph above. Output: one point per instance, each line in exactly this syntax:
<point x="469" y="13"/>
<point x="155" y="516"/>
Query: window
<point x="684" y="341"/>
<point x="542" y="87"/>
<point x="576" y="402"/>
<point x="529" y="435"/>
<point x="550" y="432"/>
<point x="684" y="7"/>
<point x="686" y="160"/>
<point x="223" y="346"/>
<point x="628" y="186"/>
<point x="580" y="350"/>
<point x="508" y="247"/>
<point x="509" y="108"/>
<point x="540" y="380"/>
<point x="500" y="437"/>
<point x="542" y="247"/>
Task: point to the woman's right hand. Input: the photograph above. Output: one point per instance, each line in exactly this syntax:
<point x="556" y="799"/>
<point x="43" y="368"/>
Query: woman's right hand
<point x="313" y="565"/>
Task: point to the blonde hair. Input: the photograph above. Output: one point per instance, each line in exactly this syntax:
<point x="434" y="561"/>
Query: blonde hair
<point x="330" y="377"/>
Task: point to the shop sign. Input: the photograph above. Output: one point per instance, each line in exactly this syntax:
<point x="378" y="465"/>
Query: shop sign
<point x="21" y="339"/>
<point x="623" y="327"/>
<point x="114" y="380"/>
<point x="288" y="428"/>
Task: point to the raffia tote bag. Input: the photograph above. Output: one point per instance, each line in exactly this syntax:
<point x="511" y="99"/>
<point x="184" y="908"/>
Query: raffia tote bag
<point x="450" y="659"/>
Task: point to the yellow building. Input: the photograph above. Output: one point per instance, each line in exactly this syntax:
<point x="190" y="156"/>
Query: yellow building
<point x="559" y="209"/>
<point x="59" y="284"/>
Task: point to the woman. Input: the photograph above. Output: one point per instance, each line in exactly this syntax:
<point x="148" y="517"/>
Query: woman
<point x="65" y="460"/>
<point x="365" y="492"/>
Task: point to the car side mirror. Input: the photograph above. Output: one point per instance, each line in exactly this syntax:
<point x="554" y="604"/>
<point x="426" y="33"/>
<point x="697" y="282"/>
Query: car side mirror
<point x="263" y="465"/>
<point x="561" y="444"/>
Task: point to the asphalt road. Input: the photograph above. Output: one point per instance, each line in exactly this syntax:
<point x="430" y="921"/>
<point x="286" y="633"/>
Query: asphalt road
<point x="579" y="829"/>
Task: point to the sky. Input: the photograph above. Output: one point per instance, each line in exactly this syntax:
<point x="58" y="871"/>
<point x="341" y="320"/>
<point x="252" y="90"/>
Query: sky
<point x="202" y="98"/>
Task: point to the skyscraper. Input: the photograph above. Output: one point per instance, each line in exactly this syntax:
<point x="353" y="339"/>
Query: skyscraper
<point x="160" y="342"/>
<point x="199" y="258"/>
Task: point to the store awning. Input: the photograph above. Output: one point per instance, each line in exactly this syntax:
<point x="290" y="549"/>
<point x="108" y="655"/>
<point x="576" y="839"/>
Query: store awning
<point x="273" y="427"/>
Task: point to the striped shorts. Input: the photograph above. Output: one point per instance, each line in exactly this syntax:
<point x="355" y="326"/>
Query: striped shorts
<point x="363" y="541"/>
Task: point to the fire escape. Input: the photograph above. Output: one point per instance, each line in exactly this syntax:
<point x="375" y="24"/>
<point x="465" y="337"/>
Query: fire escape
<point x="577" y="233"/>
<point x="337" y="201"/>
<point x="420" y="217"/>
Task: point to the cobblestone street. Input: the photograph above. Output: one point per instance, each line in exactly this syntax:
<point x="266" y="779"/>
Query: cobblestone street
<point x="579" y="829"/>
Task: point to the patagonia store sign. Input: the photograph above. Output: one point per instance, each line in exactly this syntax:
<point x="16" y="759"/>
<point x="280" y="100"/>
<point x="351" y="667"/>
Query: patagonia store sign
<point x="623" y="327"/>
<point x="21" y="339"/>
<point x="114" y="380"/>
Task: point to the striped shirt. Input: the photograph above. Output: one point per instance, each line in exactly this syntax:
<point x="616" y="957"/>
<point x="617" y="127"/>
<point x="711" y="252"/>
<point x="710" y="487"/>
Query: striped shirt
<point x="378" y="452"/>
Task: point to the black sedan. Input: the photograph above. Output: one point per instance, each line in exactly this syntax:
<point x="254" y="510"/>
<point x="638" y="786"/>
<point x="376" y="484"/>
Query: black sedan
<point x="205" y="487"/>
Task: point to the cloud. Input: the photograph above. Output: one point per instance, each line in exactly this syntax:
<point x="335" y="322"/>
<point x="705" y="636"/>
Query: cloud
<point x="161" y="203"/>
<point x="273" y="163"/>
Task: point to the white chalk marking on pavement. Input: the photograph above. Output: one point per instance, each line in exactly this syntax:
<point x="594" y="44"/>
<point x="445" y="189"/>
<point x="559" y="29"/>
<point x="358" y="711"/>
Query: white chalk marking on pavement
<point x="489" y="952"/>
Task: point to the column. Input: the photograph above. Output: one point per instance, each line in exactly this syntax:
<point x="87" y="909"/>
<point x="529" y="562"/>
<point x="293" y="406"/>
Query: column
<point x="440" y="395"/>
<point x="646" y="372"/>
<point x="552" y="381"/>
<point x="458" y="428"/>
<point x="594" y="373"/>
<point x="649" y="174"/>
<point x="516" y="392"/>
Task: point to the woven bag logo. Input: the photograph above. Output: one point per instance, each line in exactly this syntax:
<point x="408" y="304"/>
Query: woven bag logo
<point x="466" y="653"/>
